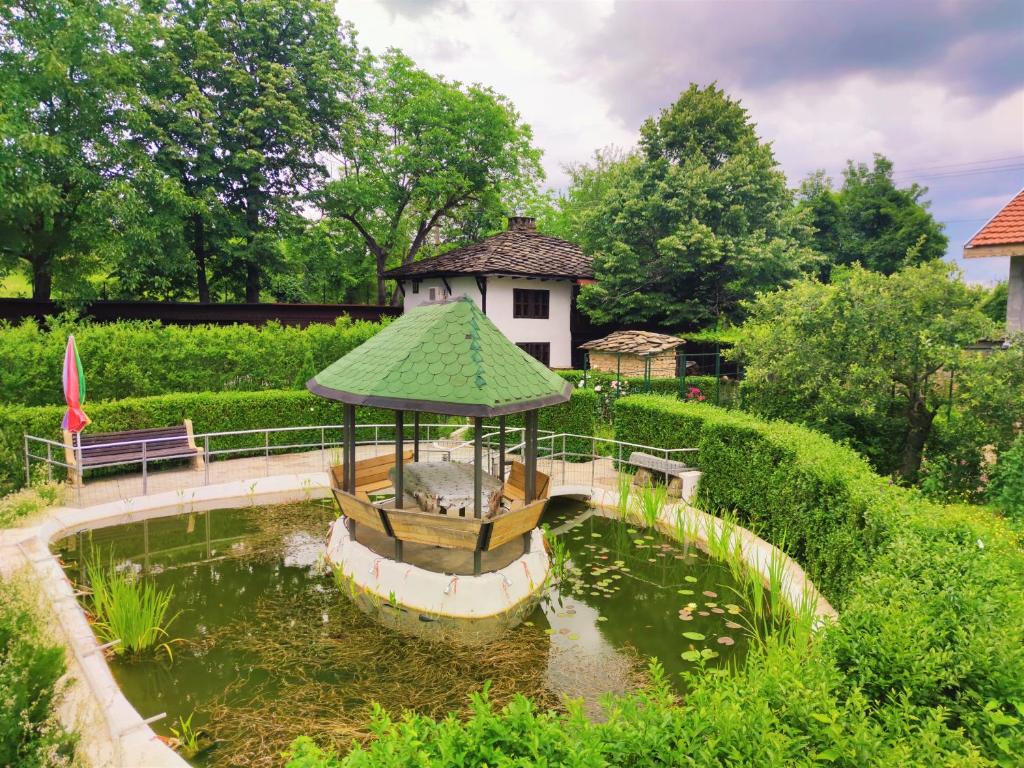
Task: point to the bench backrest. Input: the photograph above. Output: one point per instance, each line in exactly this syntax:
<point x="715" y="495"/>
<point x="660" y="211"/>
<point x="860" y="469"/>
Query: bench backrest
<point x="368" y="471"/>
<point x="360" y="511"/>
<point x="515" y="523"/>
<point x="515" y="486"/>
<point x="435" y="530"/>
<point x="115" y="447"/>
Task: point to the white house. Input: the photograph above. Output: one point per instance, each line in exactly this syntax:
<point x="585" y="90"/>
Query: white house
<point x="524" y="281"/>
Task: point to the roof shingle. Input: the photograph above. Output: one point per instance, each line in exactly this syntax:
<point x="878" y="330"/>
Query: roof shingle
<point x="1005" y="228"/>
<point x="517" y="251"/>
<point x="634" y="343"/>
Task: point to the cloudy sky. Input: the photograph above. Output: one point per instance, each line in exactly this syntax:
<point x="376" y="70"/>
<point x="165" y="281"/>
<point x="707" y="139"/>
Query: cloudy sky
<point x="938" y="86"/>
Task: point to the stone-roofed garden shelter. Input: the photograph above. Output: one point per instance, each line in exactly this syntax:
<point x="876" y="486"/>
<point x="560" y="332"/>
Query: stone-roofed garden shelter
<point x="1003" y="235"/>
<point x="524" y="281"/>
<point x="634" y="354"/>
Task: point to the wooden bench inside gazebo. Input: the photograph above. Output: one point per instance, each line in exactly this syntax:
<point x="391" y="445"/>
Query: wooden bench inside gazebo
<point x="445" y="358"/>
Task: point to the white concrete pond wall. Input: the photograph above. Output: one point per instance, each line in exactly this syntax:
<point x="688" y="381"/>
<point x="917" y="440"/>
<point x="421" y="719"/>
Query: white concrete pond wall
<point x="113" y="733"/>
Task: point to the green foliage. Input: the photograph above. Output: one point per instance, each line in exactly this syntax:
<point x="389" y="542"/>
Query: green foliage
<point x="860" y="358"/>
<point x="128" y="608"/>
<point x="728" y="392"/>
<point x="22" y="504"/>
<point x="993" y="302"/>
<point x="30" y="736"/>
<point x="697" y="221"/>
<point x="418" y="152"/>
<point x="576" y="417"/>
<point x="136" y="359"/>
<point x="870" y="220"/>
<point x="1007" y="488"/>
<point x="66" y="102"/>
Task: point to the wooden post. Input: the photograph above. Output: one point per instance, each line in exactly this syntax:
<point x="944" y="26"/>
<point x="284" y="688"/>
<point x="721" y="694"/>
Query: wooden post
<point x="530" y="455"/>
<point x="348" y="449"/>
<point x="399" y="445"/>
<point x="501" y="448"/>
<point x="478" y="459"/>
<point x="416" y="436"/>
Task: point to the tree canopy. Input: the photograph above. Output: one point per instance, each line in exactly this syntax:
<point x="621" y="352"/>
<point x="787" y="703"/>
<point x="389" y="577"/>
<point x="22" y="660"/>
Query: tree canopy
<point x="697" y="221"/>
<point x="870" y="220"/>
<point x="421" y="152"/>
<point x="865" y="358"/>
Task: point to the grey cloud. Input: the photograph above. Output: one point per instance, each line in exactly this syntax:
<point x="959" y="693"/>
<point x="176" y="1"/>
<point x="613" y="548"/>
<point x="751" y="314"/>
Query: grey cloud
<point x="649" y="51"/>
<point x="415" y="9"/>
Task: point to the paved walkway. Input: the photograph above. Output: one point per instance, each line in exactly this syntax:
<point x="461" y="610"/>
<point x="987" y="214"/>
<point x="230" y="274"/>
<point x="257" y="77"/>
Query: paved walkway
<point x="182" y="478"/>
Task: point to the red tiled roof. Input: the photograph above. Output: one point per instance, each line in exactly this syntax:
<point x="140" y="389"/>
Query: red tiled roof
<point x="1005" y="228"/>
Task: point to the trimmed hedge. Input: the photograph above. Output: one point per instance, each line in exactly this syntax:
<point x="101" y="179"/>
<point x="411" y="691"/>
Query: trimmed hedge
<point x="924" y="668"/>
<point x="143" y="358"/>
<point x="229" y="411"/>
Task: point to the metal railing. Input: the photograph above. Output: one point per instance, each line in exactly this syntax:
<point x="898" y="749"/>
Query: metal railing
<point x="250" y="453"/>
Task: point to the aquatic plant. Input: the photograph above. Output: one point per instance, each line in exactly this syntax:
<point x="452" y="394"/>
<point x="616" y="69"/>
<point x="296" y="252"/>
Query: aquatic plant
<point x="624" y="487"/>
<point x="649" y="502"/>
<point x="188" y="736"/>
<point x="128" y="608"/>
<point x="558" y="554"/>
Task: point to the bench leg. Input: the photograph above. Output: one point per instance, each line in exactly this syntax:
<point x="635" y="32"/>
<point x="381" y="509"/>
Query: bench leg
<point x="476" y="562"/>
<point x="398" y="550"/>
<point x="198" y="463"/>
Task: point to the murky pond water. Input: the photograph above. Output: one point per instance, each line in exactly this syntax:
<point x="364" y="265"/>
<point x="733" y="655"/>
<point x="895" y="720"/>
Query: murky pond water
<point x="266" y="648"/>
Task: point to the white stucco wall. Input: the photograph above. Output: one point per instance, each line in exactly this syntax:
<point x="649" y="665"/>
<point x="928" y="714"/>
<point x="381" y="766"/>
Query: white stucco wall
<point x="554" y="330"/>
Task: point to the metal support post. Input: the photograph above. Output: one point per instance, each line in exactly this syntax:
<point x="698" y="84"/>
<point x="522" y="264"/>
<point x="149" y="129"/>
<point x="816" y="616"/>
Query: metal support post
<point x="530" y="455"/>
<point x="416" y="436"/>
<point x="145" y="473"/>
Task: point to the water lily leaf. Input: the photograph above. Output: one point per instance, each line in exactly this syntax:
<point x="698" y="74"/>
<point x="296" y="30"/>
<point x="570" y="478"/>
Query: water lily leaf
<point x="726" y="640"/>
<point x="574" y="636"/>
<point x="693" y="635"/>
<point x="685" y="591"/>
<point x="690" y="655"/>
<point x="707" y="653"/>
<point x="690" y="579"/>
<point x="709" y="593"/>
<point x="733" y="625"/>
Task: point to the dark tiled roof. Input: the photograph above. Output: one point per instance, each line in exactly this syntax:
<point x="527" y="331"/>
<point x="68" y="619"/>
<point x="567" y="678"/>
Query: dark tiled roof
<point x="634" y="343"/>
<point x="1005" y="228"/>
<point x="523" y="252"/>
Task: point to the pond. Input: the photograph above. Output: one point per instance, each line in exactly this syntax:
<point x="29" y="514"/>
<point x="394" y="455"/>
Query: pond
<point x="266" y="647"/>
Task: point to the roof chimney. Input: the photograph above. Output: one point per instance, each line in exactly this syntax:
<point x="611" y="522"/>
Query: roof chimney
<point x="521" y="223"/>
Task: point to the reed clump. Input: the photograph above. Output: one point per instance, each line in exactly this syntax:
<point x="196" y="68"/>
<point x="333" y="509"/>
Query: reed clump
<point x="129" y="608"/>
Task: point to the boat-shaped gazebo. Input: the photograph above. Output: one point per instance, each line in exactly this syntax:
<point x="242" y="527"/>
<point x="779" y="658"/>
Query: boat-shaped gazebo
<point x="449" y="359"/>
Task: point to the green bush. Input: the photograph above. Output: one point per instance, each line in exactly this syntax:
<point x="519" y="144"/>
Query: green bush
<point x="1006" y="490"/>
<point x="30" y="736"/>
<point x="231" y="411"/>
<point x="139" y="359"/>
<point x="576" y="417"/>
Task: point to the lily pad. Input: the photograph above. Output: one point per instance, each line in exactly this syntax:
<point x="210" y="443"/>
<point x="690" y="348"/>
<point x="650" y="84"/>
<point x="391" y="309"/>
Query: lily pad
<point x="690" y="579"/>
<point x="693" y="635"/>
<point x="685" y="591"/>
<point x="733" y="625"/>
<point x="690" y="655"/>
<point x="726" y="640"/>
<point x="709" y="593"/>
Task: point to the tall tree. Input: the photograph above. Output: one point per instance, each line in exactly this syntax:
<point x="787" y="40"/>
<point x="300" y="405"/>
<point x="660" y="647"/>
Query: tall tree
<point x="864" y="358"/>
<point x="698" y="222"/>
<point x="65" y="110"/>
<point x="870" y="220"/>
<point x="421" y="153"/>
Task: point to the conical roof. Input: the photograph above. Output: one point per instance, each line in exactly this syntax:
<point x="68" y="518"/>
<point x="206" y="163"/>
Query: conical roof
<point x="442" y="358"/>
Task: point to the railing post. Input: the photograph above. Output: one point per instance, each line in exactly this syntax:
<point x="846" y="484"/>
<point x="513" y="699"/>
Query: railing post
<point x="563" y="458"/>
<point x="266" y="449"/>
<point x="206" y="459"/>
<point x="49" y="463"/>
<point x="145" y="470"/>
<point x="323" y="449"/>
<point x="593" y="461"/>
<point x="28" y="468"/>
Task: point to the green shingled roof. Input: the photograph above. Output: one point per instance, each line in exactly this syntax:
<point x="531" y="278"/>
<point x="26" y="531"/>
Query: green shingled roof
<point x="442" y="358"/>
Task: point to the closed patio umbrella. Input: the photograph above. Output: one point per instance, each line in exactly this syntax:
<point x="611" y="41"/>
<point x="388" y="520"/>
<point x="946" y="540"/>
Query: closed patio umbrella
<point x="75" y="419"/>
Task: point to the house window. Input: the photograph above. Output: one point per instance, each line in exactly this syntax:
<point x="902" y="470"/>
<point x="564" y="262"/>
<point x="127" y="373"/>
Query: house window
<point x="538" y="349"/>
<point x="415" y="286"/>
<point x="530" y="304"/>
<point x="433" y="294"/>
